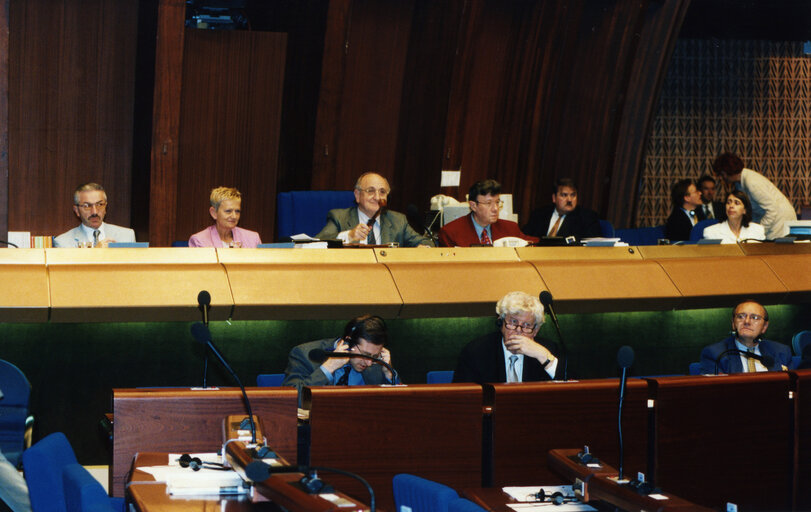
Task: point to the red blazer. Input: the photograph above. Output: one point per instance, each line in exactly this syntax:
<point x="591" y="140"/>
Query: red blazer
<point x="461" y="233"/>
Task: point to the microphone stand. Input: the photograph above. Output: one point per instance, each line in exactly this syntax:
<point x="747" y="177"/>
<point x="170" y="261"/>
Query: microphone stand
<point x="204" y="304"/>
<point x="547" y="301"/>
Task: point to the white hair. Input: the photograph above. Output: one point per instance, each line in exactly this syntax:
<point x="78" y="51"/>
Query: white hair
<point x="515" y="303"/>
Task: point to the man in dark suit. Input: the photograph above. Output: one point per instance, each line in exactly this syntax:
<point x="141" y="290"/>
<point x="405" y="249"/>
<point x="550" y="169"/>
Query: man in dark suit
<point x="483" y="225"/>
<point x="365" y="335"/>
<point x="710" y="208"/>
<point x="749" y="322"/>
<point x="564" y="217"/>
<point x="685" y="198"/>
<point x="351" y="225"/>
<point x="513" y="353"/>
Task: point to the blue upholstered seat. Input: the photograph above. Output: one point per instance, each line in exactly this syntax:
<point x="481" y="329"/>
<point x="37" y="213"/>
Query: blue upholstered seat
<point x="306" y="211"/>
<point x="13" y="411"/>
<point x="439" y="377"/>
<point x="697" y="233"/>
<point x="269" y="380"/>
<point x="421" y="495"/>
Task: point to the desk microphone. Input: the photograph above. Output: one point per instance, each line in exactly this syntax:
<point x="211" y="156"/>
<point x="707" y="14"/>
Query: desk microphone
<point x="767" y="361"/>
<point x="9" y="243"/>
<point x="414" y="213"/>
<point x="319" y="356"/>
<point x="548" y="304"/>
<point x="625" y="358"/>
<point x="203" y="335"/>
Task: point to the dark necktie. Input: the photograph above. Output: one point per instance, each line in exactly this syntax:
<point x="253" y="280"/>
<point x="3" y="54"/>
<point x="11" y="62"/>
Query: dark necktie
<point x="96" y="234"/>
<point x="370" y="240"/>
<point x="485" y="239"/>
<point x="344" y="379"/>
<point x="708" y="212"/>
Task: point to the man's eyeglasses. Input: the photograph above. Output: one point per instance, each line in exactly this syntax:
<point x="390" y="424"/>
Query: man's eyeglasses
<point x="514" y="325"/>
<point x="743" y="316"/>
<point x="490" y="204"/>
<point x="371" y="191"/>
<point x="89" y="206"/>
<point x="376" y="357"/>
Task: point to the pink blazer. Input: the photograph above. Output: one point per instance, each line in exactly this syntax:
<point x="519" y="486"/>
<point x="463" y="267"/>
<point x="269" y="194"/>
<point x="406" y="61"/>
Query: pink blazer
<point x="210" y="238"/>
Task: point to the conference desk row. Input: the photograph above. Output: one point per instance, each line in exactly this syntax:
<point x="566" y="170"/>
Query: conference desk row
<point x="739" y="438"/>
<point x="162" y="284"/>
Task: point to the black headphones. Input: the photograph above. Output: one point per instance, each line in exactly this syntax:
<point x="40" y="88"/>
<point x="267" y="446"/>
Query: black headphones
<point x="499" y="322"/>
<point x="558" y="498"/>
<point x="187" y="461"/>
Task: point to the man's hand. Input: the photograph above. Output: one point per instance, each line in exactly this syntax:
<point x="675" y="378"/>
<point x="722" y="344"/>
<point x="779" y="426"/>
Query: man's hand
<point x="334" y="363"/>
<point x="359" y="232"/>
<point x="385" y="355"/>
<point x="520" y="344"/>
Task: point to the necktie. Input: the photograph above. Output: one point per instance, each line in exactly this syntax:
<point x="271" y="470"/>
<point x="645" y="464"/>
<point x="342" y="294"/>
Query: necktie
<point x="512" y="375"/>
<point x="751" y="362"/>
<point x="370" y="240"/>
<point x="344" y="380"/>
<point x="554" y="230"/>
<point x="96" y="234"/>
<point x="708" y="212"/>
<point x="485" y="239"/>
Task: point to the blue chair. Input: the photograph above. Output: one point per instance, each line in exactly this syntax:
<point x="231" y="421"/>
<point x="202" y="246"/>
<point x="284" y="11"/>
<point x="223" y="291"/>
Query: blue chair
<point x="641" y="236"/>
<point x="800" y="340"/>
<point x="180" y="243"/>
<point x="43" y="464"/>
<point x="439" y="377"/>
<point x="269" y="380"/>
<point x="463" y="505"/>
<point x="83" y="493"/>
<point x="306" y="211"/>
<point x="695" y="369"/>
<point x="606" y="229"/>
<point x="697" y="233"/>
<point x="795" y="361"/>
<point x="420" y="495"/>
<point x="14" y="419"/>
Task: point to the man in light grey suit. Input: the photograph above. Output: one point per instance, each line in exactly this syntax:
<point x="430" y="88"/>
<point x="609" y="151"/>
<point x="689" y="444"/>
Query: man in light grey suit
<point x="90" y="205"/>
<point x="354" y="225"/>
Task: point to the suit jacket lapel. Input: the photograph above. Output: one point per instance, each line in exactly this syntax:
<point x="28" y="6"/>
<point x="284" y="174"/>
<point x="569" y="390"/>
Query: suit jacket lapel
<point x="353" y="218"/>
<point x="386" y="229"/>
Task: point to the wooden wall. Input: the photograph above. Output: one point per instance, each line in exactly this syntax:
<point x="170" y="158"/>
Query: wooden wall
<point x="523" y="91"/>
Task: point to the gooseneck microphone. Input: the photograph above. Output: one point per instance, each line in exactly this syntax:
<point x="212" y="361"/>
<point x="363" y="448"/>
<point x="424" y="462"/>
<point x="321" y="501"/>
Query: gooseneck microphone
<point x="413" y="212"/>
<point x="765" y="360"/>
<point x="204" y="304"/>
<point x="548" y="304"/>
<point x="625" y="358"/>
<point x="319" y="356"/>
<point x="203" y="335"/>
<point x="9" y="243"/>
<point x="258" y="471"/>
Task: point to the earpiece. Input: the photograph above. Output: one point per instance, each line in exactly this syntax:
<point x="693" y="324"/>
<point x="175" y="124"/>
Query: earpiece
<point x="557" y="498"/>
<point x="187" y="461"/>
<point x="499" y="322"/>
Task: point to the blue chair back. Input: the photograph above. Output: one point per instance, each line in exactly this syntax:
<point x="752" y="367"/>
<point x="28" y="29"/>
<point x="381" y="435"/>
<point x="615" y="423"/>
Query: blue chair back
<point x="269" y="380"/>
<point x="641" y="236"/>
<point x="439" y="377"/>
<point x="306" y="211"/>
<point x="463" y="505"/>
<point x="43" y="464"/>
<point x="83" y="493"/>
<point x="13" y="411"/>
<point x="180" y="243"/>
<point x="800" y="340"/>
<point x="695" y="369"/>
<point x="697" y="233"/>
<point x="607" y="229"/>
<point x="421" y="495"/>
<point x="795" y="361"/>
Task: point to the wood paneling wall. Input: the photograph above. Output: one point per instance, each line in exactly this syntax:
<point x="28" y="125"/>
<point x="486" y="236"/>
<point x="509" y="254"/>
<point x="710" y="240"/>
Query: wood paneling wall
<point x="71" y="76"/>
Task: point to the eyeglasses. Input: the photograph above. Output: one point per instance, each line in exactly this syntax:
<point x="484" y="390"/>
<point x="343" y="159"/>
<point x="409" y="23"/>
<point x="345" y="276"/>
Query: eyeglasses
<point x="514" y="325"/>
<point x="376" y="357"/>
<point x="89" y="206"/>
<point x="490" y="204"/>
<point x="371" y="191"/>
<point x="743" y="316"/>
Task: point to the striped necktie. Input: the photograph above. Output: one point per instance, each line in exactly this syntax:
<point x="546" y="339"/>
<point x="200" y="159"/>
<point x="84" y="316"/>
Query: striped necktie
<point x="512" y="375"/>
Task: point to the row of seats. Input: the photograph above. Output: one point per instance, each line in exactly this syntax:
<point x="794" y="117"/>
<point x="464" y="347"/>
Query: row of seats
<point x="420" y="495"/>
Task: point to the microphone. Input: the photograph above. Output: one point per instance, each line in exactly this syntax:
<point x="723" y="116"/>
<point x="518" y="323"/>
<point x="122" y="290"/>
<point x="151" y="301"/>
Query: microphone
<point x="765" y="360"/>
<point x="547" y="301"/>
<point x="319" y="356"/>
<point x="413" y="212"/>
<point x="204" y="304"/>
<point x="9" y="243"/>
<point x="203" y="335"/>
<point x="625" y="358"/>
<point x="381" y="206"/>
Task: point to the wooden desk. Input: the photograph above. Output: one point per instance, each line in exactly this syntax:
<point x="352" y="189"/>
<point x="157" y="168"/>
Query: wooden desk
<point x="186" y="420"/>
<point x="534" y="417"/>
<point x="725" y="439"/>
<point x="433" y="431"/>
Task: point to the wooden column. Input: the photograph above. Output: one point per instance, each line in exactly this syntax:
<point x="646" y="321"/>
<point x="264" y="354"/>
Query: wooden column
<point x="4" y="30"/>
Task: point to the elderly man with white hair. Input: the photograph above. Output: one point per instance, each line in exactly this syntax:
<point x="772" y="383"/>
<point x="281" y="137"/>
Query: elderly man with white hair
<point x="513" y="353"/>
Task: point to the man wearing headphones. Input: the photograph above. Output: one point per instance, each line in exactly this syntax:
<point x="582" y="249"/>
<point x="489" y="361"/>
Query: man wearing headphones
<point x="365" y="335"/>
<point x="513" y="353"/>
<point x="749" y="322"/>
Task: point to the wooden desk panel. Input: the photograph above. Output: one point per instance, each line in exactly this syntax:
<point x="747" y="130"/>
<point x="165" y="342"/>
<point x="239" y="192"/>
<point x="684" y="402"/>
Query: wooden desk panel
<point x="28" y="299"/>
<point x="723" y="281"/>
<point x="762" y="249"/>
<point x="296" y="284"/>
<point x="725" y="439"/>
<point x="802" y="438"/>
<point x="185" y="420"/>
<point x="603" y="286"/>
<point x="534" y="417"/>
<point x="433" y="431"/>
<point x="659" y="252"/>
<point x="794" y="271"/>
<point x="120" y="285"/>
<point x="543" y="254"/>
